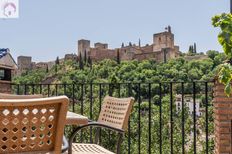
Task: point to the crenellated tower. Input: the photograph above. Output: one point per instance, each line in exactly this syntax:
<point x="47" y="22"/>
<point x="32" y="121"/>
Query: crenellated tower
<point x="83" y="46"/>
<point x="163" y="40"/>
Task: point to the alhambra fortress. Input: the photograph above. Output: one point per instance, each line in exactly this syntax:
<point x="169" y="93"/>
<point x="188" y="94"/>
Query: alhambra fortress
<point x="161" y="50"/>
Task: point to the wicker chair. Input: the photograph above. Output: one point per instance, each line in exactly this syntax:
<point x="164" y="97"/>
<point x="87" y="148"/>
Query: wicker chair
<point x="13" y="96"/>
<point x="114" y="115"/>
<point x="32" y="125"/>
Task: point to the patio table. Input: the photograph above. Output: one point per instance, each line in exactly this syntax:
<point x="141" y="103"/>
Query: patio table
<point x="76" y="119"/>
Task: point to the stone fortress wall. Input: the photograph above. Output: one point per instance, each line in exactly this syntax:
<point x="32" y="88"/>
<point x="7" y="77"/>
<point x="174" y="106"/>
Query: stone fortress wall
<point x="161" y="50"/>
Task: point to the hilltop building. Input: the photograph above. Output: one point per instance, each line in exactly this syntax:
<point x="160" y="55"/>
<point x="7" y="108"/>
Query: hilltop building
<point x="161" y="50"/>
<point x="7" y="68"/>
<point x="25" y="63"/>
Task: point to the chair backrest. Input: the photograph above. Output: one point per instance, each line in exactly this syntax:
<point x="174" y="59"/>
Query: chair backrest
<point x="12" y="96"/>
<point x="115" y="112"/>
<point x="32" y="125"/>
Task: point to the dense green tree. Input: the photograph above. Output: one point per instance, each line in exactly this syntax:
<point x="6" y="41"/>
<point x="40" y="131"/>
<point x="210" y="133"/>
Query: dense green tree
<point x="212" y="54"/>
<point x="218" y="59"/>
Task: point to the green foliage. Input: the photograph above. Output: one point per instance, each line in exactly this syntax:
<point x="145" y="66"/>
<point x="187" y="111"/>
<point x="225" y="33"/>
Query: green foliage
<point x="127" y="71"/>
<point x="225" y="76"/>
<point x="217" y="57"/>
<point x="34" y="76"/>
<point x="212" y="54"/>
<point x="224" y="21"/>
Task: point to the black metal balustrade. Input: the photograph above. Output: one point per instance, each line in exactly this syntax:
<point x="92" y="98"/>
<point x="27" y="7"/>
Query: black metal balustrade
<point x="155" y="126"/>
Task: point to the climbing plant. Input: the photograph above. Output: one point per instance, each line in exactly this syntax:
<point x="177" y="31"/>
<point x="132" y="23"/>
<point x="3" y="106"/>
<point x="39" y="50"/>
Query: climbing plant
<point x="224" y="22"/>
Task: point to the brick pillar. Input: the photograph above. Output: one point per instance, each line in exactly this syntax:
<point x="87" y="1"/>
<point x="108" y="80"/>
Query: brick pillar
<point x="222" y="120"/>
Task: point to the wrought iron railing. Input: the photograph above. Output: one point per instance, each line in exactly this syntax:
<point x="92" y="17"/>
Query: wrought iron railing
<point x="158" y="124"/>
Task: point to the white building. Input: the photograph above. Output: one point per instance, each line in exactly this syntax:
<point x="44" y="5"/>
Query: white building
<point x="188" y="102"/>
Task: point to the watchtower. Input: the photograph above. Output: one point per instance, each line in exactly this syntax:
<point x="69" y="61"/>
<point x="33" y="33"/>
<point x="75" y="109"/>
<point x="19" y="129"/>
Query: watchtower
<point x="163" y="40"/>
<point x="83" y="46"/>
<point x="24" y="62"/>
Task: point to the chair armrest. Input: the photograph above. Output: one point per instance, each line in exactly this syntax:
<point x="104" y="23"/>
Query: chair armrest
<point x="97" y="124"/>
<point x="65" y="145"/>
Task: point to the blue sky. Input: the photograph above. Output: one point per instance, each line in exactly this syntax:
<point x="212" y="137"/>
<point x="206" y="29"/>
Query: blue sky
<point x="50" y="28"/>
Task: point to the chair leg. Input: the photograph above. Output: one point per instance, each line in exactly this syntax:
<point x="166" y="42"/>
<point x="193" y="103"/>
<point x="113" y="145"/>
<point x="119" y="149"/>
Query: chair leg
<point x="119" y="142"/>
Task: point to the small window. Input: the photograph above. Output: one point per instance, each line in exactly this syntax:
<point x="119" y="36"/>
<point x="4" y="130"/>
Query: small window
<point x="5" y="74"/>
<point x="2" y="74"/>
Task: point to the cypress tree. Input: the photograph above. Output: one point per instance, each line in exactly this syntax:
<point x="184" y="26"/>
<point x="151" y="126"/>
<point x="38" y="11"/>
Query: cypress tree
<point x="47" y="69"/>
<point x="81" y="62"/>
<point x="190" y="49"/>
<point x="85" y="56"/>
<point x="56" y="64"/>
<point x="56" y="68"/>
<point x="195" y="48"/>
<point x="57" y="61"/>
<point x="118" y="57"/>
<point x="89" y="62"/>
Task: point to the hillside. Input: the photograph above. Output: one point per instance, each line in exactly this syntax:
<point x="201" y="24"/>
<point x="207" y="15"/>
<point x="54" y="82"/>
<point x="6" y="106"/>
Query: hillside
<point x="127" y="71"/>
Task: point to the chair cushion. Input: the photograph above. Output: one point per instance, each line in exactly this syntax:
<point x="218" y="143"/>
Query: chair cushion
<point x="79" y="148"/>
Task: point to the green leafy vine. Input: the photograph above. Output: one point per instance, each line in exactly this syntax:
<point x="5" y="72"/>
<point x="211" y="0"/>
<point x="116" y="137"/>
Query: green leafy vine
<point x="224" y="21"/>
